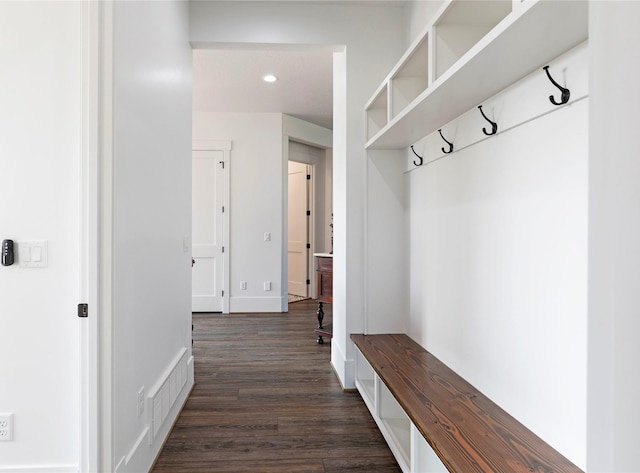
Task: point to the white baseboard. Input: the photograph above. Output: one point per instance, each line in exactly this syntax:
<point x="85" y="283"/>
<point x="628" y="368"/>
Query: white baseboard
<point x="256" y="304"/>
<point x="41" y="468"/>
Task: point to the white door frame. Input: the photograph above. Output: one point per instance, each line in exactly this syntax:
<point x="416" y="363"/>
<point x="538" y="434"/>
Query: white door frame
<point x="96" y="223"/>
<point x="309" y="224"/>
<point x="95" y="344"/>
<point x="225" y="147"/>
<point x="311" y="231"/>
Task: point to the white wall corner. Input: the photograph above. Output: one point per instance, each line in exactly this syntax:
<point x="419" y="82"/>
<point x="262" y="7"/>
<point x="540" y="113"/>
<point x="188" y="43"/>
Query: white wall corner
<point x="307" y="133"/>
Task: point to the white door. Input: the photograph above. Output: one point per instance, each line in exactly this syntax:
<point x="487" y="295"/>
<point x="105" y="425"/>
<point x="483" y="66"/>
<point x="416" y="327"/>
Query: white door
<point x="207" y="230"/>
<point x="298" y="229"/>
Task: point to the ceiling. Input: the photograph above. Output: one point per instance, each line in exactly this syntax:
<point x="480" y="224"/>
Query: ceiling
<point x="230" y="80"/>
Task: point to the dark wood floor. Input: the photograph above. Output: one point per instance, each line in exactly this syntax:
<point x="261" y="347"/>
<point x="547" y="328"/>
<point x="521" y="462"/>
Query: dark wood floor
<point x="266" y="400"/>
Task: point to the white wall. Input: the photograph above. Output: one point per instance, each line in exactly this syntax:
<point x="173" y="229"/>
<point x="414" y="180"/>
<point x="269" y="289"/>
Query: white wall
<point x="359" y="67"/>
<point x="40" y="129"/>
<point x="256" y="192"/>
<point x="152" y="217"/>
<point x="496" y="250"/>
<point x="419" y="13"/>
<point x="498" y="271"/>
<point x="614" y="232"/>
<point x="258" y="197"/>
<point x="387" y="252"/>
<point x="498" y="256"/>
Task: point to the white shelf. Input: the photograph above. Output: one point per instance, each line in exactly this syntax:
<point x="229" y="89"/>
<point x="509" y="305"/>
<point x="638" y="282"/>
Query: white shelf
<point x="526" y="39"/>
<point x="461" y="25"/>
<point x="395" y="426"/>
<point x="393" y="422"/>
<point x="365" y="380"/>
<point x="378" y="113"/>
<point x="423" y="458"/>
<point x="411" y="78"/>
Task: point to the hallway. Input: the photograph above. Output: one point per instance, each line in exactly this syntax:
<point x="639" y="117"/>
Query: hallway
<point x="266" y="400"/>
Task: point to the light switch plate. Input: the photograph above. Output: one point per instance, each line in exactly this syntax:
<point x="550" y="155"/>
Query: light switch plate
<point x="33" y="254"/>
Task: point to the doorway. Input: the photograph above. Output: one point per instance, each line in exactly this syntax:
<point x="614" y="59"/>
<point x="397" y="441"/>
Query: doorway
<point x="309" y="215"/>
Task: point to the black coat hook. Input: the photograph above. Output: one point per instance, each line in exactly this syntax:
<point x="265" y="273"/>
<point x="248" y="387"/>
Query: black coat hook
<point x="449" y="143"/>
<point x="419" y="157"/>
<point x="566" y="93"/>
<point x="494" y="125"/>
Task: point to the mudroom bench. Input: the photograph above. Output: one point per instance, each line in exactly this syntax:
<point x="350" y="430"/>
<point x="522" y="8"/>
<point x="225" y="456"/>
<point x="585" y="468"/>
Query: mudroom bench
<point x="434" y="420"/>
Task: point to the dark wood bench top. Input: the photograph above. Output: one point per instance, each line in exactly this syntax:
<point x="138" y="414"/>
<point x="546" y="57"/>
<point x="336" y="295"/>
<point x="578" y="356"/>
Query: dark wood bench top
<point x="467" y="431"/>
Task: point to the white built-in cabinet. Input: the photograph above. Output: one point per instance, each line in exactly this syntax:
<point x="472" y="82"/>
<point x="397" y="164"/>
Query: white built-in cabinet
<point x="409" y="447"/>
<point x="470" y="51"/>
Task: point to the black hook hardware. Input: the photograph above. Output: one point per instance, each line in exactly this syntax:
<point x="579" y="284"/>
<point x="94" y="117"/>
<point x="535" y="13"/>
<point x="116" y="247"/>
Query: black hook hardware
<point x="448" y="142"/>
<point x="494" y="125"/>
<point x="420" y="157"/>
<point x="566" y="93"/>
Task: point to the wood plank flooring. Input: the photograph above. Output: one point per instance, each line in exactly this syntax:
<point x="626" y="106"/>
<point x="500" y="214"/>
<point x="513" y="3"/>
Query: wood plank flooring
<point x="266" y="400"/>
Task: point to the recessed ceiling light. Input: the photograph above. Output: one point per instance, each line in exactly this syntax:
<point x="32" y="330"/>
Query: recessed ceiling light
<point x="269" y="78"/>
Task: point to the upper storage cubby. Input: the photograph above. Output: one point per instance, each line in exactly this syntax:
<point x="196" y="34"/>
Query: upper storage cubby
<point x="411" y="77"/>
<point x="469" y="52"/>
<point x="377" y="112"/>
<point x="460" y="25"/>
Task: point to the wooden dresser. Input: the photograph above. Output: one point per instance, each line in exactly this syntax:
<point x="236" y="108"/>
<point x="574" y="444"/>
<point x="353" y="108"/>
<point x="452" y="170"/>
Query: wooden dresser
<point x="324" y="276"/>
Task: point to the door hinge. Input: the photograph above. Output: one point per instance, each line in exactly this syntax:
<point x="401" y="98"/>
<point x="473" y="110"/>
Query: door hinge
<point x="308" y="177"/>
<point x="222" y="162"/>
<point x="83" y="310"/>
<point x="223" y="249"/>
<point x="223" y="209"/>
<point x="308" y="246"/>
<point x="308" y="212"/>
<point x="223" y="293"/>
<point x="308" y="281"/>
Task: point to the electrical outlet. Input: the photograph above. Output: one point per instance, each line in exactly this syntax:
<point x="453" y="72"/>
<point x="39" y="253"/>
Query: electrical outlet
<point x="140" y="401"/>
<point x="267" y="285"/>
<point x="243" y="285"/>
<point x="6" y="427"/>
